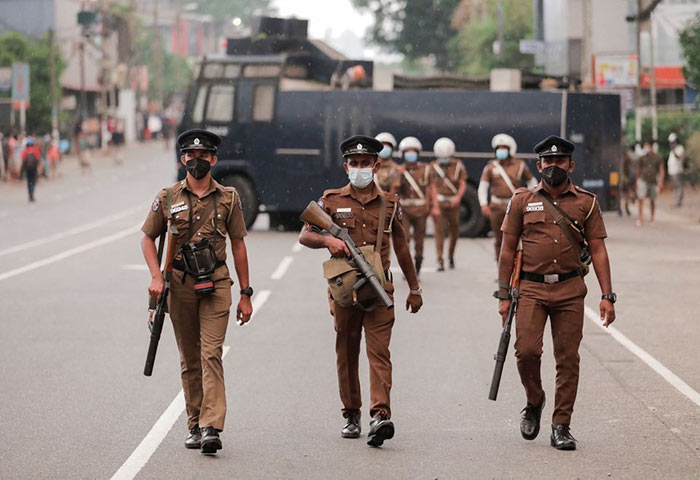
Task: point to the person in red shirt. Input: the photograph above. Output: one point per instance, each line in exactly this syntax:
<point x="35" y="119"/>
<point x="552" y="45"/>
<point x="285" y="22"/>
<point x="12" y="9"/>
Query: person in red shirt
<point x="31" y="160"/>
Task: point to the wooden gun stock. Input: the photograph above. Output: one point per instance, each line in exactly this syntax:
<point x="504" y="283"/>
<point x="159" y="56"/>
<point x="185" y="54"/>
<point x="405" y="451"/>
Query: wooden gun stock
<point x="504" y="341"/>
<point x="313" y="214"/>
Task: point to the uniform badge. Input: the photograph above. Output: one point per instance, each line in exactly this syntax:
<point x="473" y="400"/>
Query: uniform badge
<point x="156" y="204"/>
<point x="320" y="203"/>
<point x="196" y="141"/>
<point x="359" y="146"/>
<point x="399" y="213"/>
<point x="510" y="202"/>
<point x="534" y="207"/>
<point x="554" y="148"/>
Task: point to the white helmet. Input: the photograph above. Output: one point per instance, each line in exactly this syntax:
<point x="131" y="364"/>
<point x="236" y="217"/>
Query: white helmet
<point x="504" y="140"/>
<point x="444" y="148"/>
<point x="673" y="137"/>
<point x="410" y="143"/>
<point x="386" y="137"/>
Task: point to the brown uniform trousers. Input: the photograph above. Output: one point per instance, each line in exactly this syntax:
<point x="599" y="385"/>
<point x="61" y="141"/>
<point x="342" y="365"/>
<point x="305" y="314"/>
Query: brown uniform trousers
<point x="201" y="367"/>
<point x="377" y="324"/>
<point x="563" y="303"/>
<point x="448" y="220"/>
<point x="498" y="213"/>
<point x="415" y="220"/>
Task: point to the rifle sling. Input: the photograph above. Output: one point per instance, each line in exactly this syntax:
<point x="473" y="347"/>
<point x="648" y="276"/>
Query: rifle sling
<point x="563" y="221"/>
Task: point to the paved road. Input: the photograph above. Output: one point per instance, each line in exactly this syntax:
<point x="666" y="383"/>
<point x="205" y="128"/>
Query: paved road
<point x="73" y="402"/>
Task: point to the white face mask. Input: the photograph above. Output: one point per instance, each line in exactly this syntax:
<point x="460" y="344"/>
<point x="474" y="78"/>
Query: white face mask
<point x="385" y="152"/>
<point x="360" y="177"/>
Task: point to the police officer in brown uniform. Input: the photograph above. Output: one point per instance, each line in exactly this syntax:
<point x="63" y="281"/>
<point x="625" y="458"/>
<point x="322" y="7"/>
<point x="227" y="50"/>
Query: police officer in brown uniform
<point x="415" y="188"/>
<point x="450" y="179"/>
<point x="202" y="212"/>
<point x="553" y="220"/>
<point x="357" y="207"/>
<point x="388" y="170"/>
<point x="502" y="176"/>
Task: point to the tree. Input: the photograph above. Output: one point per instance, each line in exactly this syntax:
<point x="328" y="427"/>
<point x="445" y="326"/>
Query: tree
<point x="473" y="46"/>
<point x="690" y="43"/>
<point x="177" y="72"/>
<point x="15" y="47"/>
<point x="415" y="28"/>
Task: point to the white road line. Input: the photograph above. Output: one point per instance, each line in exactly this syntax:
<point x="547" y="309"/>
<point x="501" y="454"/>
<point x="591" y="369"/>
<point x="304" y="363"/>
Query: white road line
<point x="72" y="231"/>
<point x="645" y="357"/>
<point x="282" y="268"/>
<point x="154" y="437"/>
<point x="297" y="247"/>
<point x="136" y="267"/>
<point x="69" y="253"/>
<point x="143" y="452"/>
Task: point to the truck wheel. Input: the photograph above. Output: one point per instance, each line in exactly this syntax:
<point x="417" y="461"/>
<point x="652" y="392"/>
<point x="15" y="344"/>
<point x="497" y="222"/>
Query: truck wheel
<point x="249" y="199"/>
<point x="472" y="222"/>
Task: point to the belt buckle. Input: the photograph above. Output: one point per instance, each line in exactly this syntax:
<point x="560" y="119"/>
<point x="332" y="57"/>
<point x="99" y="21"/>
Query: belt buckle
<point x="551" y="278"/>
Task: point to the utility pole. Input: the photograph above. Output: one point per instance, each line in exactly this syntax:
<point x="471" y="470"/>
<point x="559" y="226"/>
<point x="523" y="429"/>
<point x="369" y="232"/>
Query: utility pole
<point x="500" y="32"/>
<point x="52" y="87"/>
<point x="652" y="92"/>
<point x="83" y="93"/>
<point x="157" y="57"/>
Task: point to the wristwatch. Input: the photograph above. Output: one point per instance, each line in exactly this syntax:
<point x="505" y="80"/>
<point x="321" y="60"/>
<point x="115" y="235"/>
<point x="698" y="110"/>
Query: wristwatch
<point x="247" y="291"/>
<point x="418" y="292"/>
<point x="610" y="296"/>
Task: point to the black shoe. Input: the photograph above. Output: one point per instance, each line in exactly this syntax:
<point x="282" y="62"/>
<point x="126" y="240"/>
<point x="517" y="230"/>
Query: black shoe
<point x="194" y="438"/>
<point x="452" y="263"/>
<point x="530" y="420"/>
<point x="419" y="262"/>
<point x="380" y="429"/>
<point x="352" y="427"/>
<point x="562" y="438"/>
<point x="210" y="440"/>
<point x="441" y="266"/>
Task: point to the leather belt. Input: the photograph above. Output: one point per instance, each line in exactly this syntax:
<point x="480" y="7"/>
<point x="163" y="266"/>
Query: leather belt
<point x="499" y="200"/>
<point x="413" y="202"/>
<point x="551" y="278"/>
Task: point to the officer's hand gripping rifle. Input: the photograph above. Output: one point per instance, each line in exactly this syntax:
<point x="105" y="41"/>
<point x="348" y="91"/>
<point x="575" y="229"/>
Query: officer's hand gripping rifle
<point x="314" y="215"/>
<point x="500" y="355"/>
<point x="157" y="315"/>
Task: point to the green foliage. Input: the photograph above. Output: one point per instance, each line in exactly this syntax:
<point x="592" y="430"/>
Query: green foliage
<point x="15" y="47"/>
<point x="415" y="28"/>
<point x="226" y="9"/>
<point x="177" y="72"/>
<point x="473" y="46"/>
<point x="690" y="43"/>
<point x="684" y="124"/>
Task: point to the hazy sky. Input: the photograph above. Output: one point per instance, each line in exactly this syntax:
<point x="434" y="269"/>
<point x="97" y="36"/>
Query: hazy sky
<point x="326" y="16"/>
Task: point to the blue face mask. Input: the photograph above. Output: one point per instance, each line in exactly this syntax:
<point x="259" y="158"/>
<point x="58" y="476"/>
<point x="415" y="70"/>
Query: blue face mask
<point x="444" y="161"/>
<point x="411" y="157"/>
<point x="385" y="152"/>
<point x="502" y="153"/>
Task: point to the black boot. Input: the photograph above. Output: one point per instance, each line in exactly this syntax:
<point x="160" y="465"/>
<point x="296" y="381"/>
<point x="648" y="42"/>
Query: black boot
<point x="441" y="266"/>
<point x="452" y="263"/>
<point x="380" y="429"/>
<point x="194" y="438"/>
<point x="562" y="438"/>
<point x="530" y="420"/>
<point x="352" y="427"/>
<point x="211" y="442"/>
<point x="419" y="262"/>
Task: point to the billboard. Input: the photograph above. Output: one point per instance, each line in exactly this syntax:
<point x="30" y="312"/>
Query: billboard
<point x="620" y="70"/>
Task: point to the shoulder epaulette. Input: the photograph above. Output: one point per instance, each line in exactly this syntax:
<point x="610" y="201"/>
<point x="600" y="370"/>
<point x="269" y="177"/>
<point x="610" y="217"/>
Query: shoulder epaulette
<point x="331" y="191"/>
<point x="521" y="190"/>
<point x="583" y="190"/>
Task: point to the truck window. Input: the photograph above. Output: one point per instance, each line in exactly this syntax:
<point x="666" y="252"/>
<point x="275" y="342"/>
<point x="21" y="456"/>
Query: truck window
<point x="198" y="110"/>
<point x="263" y="103"/>
<point x="220" y="104"/>
<point x="262" y="71"/>
<point x="213" y="70"/>
<point x="232" y="71"/>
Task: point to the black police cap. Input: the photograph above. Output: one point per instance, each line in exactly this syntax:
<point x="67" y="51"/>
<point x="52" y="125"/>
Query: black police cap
<point x="198" y="139"/>
<point x="361" y="145"/>
<point x="554" y="146"/>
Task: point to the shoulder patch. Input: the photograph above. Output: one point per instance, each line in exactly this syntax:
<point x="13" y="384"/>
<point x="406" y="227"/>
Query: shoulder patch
<point x="156" y="204"/>
<point x="321" y="203"/>
<point x="399" y="213"/>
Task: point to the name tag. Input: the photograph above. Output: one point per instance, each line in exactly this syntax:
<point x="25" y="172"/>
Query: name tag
<point x="177" y="208"/>
<point x="341" y="210"/>
<point x="534" y="207"/>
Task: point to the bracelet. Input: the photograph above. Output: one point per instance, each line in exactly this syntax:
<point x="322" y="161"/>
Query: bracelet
<point x="418" y="292"/>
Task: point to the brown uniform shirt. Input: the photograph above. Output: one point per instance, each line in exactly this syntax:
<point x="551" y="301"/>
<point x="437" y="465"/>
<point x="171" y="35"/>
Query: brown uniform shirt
<point x="517" y="172"/>
<point x="362" y="220"/>
<point x="453" y="171"/>
<point x="546" y="249"/>
<point x="649" y="167"/>
<point x="185" y="204"/>
<point x="420" y="172"/>
<point x="386" y="176"/>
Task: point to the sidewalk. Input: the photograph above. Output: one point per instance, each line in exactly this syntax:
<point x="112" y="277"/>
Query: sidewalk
<point x="688" y="211"/>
